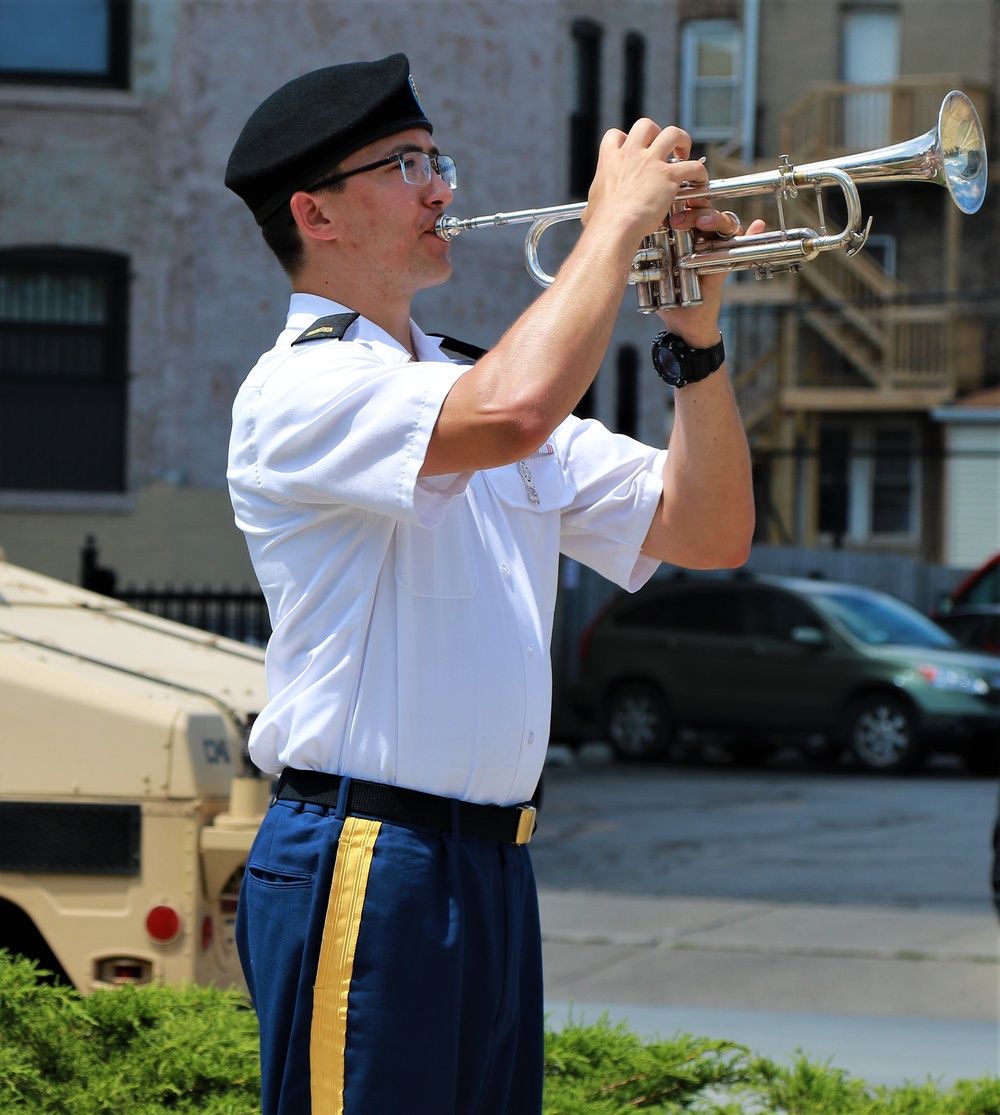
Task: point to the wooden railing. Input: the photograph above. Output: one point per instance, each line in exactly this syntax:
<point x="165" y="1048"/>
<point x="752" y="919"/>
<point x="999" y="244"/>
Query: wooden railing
<point x="756" y="388"/>
<point x="850" y="301"/>
<point x="845" y="119"/>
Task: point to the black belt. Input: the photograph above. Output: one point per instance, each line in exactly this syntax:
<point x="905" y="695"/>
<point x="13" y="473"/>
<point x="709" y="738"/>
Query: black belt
<point x="512" y="824"/>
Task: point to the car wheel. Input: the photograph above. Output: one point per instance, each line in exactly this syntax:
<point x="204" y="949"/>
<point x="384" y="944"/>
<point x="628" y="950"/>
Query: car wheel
<point x="882" y="733"/>
<point x="638" y="721"/>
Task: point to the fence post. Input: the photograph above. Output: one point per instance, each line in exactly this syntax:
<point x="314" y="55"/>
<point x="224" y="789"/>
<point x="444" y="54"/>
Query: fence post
<point x="93" y="577"/>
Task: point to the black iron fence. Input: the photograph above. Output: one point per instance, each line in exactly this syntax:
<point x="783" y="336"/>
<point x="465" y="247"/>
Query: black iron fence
<point x="235" y="614"/>
<point x="238" y="615"/>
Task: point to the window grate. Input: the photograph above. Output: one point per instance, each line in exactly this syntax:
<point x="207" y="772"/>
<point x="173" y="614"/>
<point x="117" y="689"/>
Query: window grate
<point x="70" y="838"/>
<point x="63" y="345"/>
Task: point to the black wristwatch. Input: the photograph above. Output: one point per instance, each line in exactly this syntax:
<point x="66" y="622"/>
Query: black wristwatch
<point x="678" y="364"/>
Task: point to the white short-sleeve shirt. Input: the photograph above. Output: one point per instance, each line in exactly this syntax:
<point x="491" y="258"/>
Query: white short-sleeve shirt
<point x="412" y="617"/>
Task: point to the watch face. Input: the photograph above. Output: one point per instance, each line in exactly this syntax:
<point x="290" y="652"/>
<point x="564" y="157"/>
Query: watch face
<point x="678" y="364"/>
<point x="667" y="365"/>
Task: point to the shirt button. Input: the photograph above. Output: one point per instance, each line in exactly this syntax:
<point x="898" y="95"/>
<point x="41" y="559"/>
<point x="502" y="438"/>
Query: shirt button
<point x="531" y="652"/>
<point x="531" y="738"/>
<point x="505" y="570"/>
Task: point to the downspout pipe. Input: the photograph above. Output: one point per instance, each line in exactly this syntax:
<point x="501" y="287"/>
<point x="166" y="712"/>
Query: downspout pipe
<point x="751" y="42"/>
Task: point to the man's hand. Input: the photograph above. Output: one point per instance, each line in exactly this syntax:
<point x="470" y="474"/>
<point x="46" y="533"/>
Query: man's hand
<point x="699" y="325"/>
<point x="516" y="395"/>
<point x="638" y="177"/>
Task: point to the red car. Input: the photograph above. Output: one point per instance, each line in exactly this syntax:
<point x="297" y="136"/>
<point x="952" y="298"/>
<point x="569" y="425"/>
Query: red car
<point x="982" y="586"/>
<point x="971" y="614"/>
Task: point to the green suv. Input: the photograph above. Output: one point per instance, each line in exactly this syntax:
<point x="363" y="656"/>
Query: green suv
<point x="766" y="659"/>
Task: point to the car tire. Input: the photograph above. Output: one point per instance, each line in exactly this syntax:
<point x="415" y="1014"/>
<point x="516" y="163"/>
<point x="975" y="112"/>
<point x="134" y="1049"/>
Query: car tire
<point x="638" y="721"/>
<point x="882" y="734"/>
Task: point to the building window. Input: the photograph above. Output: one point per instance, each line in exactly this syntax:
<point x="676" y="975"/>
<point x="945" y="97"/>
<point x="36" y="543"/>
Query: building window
<point x="63" y="347"/>
<point x="585" y="120"/>
<point x="65" y="42"/>
<point x="881" y="249"/>
<point x="627" y="393"/>
<point x="834" y="490"/>
<point x="634" y="92"/>
<point x="893" y="481"/>
<point x="869" y="56"/>
<point x="711" y="73"/>
<point x="869" y="482"/>
<point x="587" y="406"/>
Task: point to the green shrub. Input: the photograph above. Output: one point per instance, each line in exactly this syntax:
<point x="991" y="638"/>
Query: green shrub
<point x="605" y="1070"/>
<point x="193" y="1051"/>
<point x="135" y="1050"/>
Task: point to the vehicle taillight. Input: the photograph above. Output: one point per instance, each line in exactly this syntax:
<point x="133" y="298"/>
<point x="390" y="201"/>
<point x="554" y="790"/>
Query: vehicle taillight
<point x="163" y="924"/>
<point x="123" y="970"/>
<point x="583" y="647"/>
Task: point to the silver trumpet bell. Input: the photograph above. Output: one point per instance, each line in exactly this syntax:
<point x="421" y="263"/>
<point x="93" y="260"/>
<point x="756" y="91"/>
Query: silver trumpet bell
<point x="666" y="269"/>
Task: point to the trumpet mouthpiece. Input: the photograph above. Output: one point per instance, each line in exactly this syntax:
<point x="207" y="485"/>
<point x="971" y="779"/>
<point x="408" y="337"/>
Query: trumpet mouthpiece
<point x="447" y="227"/>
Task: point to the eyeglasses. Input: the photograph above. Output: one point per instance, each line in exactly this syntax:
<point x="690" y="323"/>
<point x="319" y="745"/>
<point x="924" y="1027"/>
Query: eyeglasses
<point x="415" y="165"/>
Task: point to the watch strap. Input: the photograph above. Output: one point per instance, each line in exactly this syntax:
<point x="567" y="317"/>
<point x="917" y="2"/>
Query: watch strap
<point x="695" y="364"/>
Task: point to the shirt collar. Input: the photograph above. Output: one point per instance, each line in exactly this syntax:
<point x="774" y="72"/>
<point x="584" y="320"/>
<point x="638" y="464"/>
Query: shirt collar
<point x="304" y="309"/>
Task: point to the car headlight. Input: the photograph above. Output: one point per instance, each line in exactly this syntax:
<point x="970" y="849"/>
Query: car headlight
<point x="953" y="679"/>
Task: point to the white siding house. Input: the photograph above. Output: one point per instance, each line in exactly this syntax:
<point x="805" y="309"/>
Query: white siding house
<point x="972" y="478"/>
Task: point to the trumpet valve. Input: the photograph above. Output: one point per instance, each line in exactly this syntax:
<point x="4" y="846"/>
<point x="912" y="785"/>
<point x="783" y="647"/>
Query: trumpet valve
<point x="786" y="178"/>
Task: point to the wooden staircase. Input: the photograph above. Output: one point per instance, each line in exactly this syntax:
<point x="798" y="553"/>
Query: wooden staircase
<point x="889" y="352"/>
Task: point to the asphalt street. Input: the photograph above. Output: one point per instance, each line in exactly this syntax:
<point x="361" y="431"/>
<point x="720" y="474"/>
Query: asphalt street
<point x="835" y="913"/>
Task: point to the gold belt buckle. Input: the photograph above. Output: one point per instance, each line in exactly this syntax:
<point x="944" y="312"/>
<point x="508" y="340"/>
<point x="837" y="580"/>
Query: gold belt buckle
<point x="525" y="823"/>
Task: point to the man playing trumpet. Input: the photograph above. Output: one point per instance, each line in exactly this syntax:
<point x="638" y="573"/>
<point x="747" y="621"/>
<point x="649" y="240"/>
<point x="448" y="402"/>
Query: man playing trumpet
<point x="405" y="515"/>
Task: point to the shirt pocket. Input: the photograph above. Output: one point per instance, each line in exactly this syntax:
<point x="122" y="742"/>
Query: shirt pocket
<point x="439" y="561"/>
<point x="538" y="483"/>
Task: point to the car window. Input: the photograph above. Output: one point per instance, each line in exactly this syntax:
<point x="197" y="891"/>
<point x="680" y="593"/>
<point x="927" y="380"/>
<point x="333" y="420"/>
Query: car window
<point x="775" y="616"/>
<point x="968" y="629"/>
<point x="706" y="611"/>
<point x="881" y="620"/>
<point x="986" y="590"/>
<point x="979" y="632"/>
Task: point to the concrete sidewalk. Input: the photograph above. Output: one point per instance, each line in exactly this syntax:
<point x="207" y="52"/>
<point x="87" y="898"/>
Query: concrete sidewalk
<point x="887" y="994"/>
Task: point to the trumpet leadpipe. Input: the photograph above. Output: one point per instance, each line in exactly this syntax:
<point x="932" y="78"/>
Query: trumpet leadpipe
<point x="448" y="227"/>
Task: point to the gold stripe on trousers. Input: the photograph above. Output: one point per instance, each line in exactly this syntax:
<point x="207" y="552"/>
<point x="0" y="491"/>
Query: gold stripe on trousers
<point x="328" y="1037"/>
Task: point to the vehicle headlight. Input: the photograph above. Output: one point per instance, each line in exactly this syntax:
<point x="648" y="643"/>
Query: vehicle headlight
<point x="953" y="679"/>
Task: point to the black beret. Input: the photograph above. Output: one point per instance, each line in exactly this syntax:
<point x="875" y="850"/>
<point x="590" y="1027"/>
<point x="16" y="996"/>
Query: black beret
<point x="311" y="123"/>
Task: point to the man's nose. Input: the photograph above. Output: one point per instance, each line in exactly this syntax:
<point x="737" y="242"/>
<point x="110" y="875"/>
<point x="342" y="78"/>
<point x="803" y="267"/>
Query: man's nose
<point x="438" y="191"/>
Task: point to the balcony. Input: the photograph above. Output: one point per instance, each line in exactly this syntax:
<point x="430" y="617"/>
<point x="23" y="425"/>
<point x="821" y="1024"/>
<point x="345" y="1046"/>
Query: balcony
<point x="855" y="340"/>
<point x="836" y="120"/>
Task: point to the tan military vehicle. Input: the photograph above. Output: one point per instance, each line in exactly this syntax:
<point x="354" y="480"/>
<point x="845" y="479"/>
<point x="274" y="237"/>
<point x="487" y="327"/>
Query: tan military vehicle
<point x="126" y="805"/>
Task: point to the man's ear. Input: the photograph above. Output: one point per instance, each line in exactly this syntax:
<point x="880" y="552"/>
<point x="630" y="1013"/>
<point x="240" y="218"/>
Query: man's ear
<point x="312" y="215"/>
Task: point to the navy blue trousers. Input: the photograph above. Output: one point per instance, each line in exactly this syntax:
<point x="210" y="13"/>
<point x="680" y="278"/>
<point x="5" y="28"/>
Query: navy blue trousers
<point x="394" y="970"/>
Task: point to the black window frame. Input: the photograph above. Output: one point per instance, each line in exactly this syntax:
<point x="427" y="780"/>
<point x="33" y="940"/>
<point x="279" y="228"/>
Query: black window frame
<point x="118" y="73"/>
<point x="634" y="81"/>
<point x="585" y="118"/>
<point x="627" y="391"/>
<point x="67" y="432"/>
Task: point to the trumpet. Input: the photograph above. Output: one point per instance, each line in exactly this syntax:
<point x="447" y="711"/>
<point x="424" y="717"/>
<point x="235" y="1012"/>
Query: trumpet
<point x="667" y="266"/>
